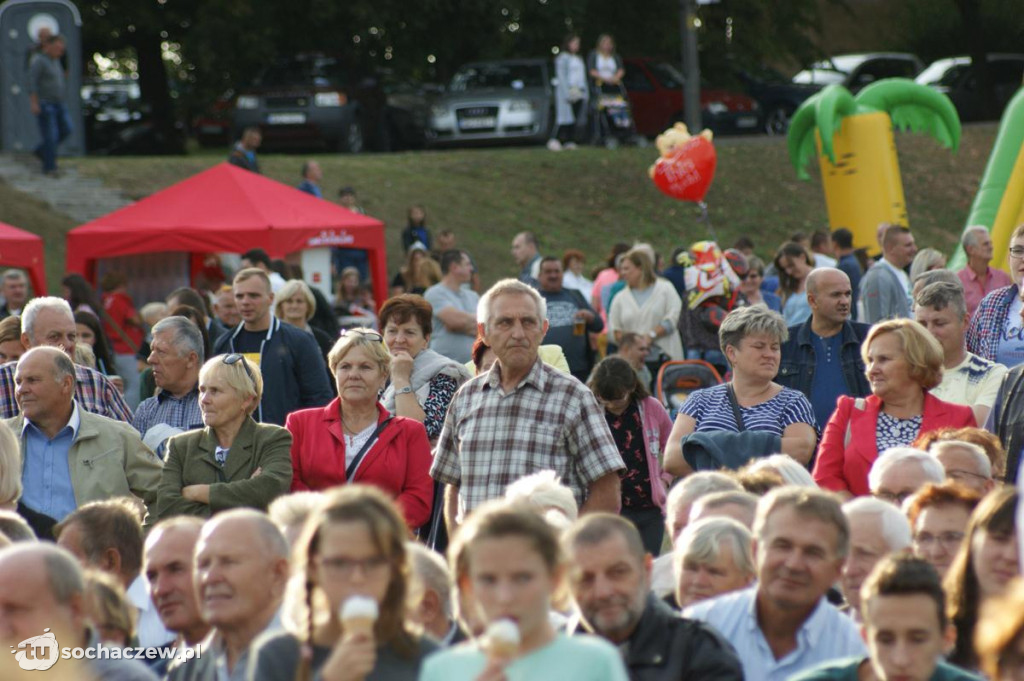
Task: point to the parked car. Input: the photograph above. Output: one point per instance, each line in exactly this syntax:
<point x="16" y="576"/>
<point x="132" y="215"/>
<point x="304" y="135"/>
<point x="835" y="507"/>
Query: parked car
<point x="314" y="100"/>
<point x="117" y="122"/>
<point x="212" y="127"/>
<point x="958" y="79"/>
<point x="856" y="71"/>
<point x="488" y="101"/>
<point x="778" y="96"/>
<point x="655" y="90"/>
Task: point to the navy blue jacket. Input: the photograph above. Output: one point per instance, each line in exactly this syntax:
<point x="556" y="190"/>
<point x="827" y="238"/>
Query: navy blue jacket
<point x="294" y="374"/>
<point x="796" y="370"/>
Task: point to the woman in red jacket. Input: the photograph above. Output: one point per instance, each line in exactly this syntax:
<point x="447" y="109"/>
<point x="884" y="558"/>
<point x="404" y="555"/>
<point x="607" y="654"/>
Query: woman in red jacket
<point x="903" y="363"/>
<point x="355" y="439"/>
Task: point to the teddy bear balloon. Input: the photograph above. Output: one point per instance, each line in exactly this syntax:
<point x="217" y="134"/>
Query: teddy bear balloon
<point x="687" y="163"/>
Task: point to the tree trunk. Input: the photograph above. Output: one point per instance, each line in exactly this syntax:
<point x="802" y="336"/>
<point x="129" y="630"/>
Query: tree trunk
<point x="155" y="90"/>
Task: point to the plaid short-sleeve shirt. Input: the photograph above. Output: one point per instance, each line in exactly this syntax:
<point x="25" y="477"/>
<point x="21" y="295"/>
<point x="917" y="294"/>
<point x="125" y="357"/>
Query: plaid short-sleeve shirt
<point x="492" y="438"/>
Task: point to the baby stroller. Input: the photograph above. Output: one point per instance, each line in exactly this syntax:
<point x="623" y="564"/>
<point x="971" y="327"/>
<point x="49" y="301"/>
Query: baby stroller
<point x="678" y="378"/>
<point x="614" y="123"/>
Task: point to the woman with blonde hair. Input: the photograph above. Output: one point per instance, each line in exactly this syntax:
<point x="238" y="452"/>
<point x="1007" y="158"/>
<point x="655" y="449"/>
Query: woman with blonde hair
<point x="353" y="545"/>
<point x="294" y="304"/>
<point x="107" y="607"/>
<point x="904" y="362"/>
<point x="10" y="469"/>
<point x="649" y="306"/>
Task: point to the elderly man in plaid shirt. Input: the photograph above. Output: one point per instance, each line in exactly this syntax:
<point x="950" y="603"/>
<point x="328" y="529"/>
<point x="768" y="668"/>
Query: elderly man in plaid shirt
<point x="48" y="321"/>
<point x="522" y="416"/>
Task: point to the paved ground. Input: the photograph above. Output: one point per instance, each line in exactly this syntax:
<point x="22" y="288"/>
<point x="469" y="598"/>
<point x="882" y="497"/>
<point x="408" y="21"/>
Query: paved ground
<point x="80" y="198"/>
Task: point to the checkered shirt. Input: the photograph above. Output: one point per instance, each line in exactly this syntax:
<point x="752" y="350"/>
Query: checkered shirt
<point x="93" y="392"/>
<point x="986" y="327"/>
<point x="550" y="421"/>
<point x="166" y="408"/>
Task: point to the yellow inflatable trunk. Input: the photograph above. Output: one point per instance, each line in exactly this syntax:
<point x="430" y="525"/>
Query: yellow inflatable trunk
<point x="863" y="188"/>
<point x="1010" y="213"/>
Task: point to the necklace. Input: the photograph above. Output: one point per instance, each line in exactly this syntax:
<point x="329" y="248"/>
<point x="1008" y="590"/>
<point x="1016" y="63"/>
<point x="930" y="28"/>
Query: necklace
<point x="353" y="434"/>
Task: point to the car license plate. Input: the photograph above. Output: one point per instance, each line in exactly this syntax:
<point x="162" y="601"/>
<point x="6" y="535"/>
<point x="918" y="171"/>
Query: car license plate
<point x="478" y="123"/>
<point x="746" y="122"/>
<point x="286" y="118"/>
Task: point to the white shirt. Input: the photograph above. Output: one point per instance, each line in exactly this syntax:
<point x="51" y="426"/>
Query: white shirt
<point x="606" y="66"/>
<point x="277" y="282"/>
<point x="904" y="280"/>
<point x="974" y="381"/>
<point x="822" y="260"/>
<point x="827" y="635"/>
<point x="150" y="629"/>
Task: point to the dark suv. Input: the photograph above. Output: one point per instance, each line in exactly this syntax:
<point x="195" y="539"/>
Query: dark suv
<point x="313" y="101"/>
<point x="958" y="79"/>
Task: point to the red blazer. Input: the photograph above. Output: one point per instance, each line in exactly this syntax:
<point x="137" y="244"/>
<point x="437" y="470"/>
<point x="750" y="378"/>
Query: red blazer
<point x="398" y="463"/>
<point x="845" y="459"/>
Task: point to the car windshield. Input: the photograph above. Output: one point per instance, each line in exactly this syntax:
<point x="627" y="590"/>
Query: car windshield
<point x="490" y="76"/>
<point x="667" y="74"/>
<point x="321" y="72"/>
<point x="819" y="76"/>
<point x="943" y="72"/>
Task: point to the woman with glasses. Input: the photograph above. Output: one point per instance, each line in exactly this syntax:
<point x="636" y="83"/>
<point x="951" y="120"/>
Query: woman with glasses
<point x="996" y="332"/>
<point x="938" y="516"/>
<point x="984" y="566"/>
<point x="640" y="426"/>
<point x="903" y="363"/>
<point x="233" y="461"/>
<point x="356" y="439"/>
<point x="751" y="286"/>
<point x="353" y="545"/>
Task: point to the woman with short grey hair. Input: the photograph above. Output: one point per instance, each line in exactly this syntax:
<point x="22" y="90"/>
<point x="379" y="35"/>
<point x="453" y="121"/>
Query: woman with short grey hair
<point x="712" y="557"/>
<point x="751" y="402"/>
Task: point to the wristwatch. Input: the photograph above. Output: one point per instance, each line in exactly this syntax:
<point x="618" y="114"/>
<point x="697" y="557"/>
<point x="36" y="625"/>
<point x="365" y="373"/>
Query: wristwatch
<point x="404" y="391"/>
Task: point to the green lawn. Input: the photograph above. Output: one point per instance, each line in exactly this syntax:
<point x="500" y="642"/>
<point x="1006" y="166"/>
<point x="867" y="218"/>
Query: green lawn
<point x="589" y="198"/>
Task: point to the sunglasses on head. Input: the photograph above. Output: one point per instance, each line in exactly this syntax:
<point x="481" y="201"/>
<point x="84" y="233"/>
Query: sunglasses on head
<point x="372" y="335"/>
<point x="235" y="358"/>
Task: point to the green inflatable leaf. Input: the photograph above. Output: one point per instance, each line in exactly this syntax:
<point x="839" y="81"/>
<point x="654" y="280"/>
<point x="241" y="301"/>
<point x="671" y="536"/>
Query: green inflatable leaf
<point x="800" y="139"/>
<point x="835" y="103"/>
<point x="914" y="107"/>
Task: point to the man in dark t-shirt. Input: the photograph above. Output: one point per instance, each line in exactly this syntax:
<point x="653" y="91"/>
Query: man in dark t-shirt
<point x="570" y="318"/>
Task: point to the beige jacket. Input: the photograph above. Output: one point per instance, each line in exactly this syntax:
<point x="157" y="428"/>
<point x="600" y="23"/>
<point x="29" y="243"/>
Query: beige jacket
<point x="106" y="460"/>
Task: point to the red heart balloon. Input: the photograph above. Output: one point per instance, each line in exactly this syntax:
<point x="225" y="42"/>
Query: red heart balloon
<point x="687" y="172"/>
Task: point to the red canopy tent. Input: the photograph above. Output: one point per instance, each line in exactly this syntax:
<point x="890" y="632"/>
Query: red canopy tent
<point x="227" y="209"/>
<point x="19" y="248"/>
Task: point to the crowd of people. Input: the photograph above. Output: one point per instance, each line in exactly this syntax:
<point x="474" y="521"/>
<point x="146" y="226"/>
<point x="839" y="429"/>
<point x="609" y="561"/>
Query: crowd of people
<point x="279" y="482"/>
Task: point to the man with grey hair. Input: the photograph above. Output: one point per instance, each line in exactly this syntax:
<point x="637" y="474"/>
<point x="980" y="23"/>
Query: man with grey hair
<point x="738" y="505"/>
<point x="713" y="556"/>
<point x="965" y="463"/>
<point x="434" y="610"/>
<point x="42" y="589"/>
<point x="241" y="570"/>
<point x="784" y="624"/>
<point x="176" y="355"/>
<point x="900" y="471"/>
<point x="680" y="501"/>
<point x="966" y="378"/>
<point x="610" y="580"/>
<point x="15" y="292"/>
<point x="71" y="457"/>
<point x="522" y="416"/>
<point x="877" y="529"/>
<point x="976" y="276"/>
<point x="48" y="321"/>
<point x="821" y="358"/>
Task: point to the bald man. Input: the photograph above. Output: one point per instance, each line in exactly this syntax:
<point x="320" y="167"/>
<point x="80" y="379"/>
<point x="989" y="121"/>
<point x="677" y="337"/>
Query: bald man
<point x="822" y="358"/>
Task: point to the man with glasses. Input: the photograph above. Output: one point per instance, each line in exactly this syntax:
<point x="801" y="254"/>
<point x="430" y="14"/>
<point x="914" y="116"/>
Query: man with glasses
<point x="966" y="378"/>
<point x="294" y="374"/>
<point x="996" y="331"/>
<point x="900" y="471"/>
<point x="938" y="515"/>
<point x="822" y="357"/>
<point x="965" y="463"/>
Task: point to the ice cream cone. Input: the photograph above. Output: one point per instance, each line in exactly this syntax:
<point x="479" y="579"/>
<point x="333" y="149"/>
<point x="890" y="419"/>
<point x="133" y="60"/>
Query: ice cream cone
<point x="358" y="615"/>
<point x="503" y="639"/>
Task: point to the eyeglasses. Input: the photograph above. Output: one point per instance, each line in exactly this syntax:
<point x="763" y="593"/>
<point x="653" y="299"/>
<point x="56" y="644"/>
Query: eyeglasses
<point x="960" y="475"/>
<point x="1017" y="252"/>
<point x="893" y="497"/>
<point x="346" y="567"/>
<point x="948" y="540"/>
<point x="235" y="358"/>
<point x="372" y="335"/>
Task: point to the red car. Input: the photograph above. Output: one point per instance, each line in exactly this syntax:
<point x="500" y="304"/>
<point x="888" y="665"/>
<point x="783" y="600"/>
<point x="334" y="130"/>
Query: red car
<point x="655" y="90"/>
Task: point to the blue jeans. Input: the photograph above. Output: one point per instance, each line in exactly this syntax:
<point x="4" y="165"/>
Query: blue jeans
<point x="54" y="127"/>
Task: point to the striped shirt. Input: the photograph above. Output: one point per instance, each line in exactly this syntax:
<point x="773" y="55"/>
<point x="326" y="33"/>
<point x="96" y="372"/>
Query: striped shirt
<point x="492" y="438"/>
<point x="93" y="392"/>
<point x="710" y="408"/>
<point x="973" y="382"/>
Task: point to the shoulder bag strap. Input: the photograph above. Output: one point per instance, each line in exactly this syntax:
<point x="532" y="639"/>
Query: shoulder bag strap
<point x="735" y="407"/>
<point x="354" y="466"/>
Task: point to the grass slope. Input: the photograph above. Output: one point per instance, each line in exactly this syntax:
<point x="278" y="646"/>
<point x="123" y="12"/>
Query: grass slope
<point x="590" y="198"/>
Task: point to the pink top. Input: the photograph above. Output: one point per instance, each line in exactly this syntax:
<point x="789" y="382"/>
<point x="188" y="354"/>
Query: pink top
<point x="604" y="278"/>
<point x="976" y="288"/>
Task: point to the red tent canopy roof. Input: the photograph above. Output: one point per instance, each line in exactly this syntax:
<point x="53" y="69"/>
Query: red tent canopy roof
<point x="19" y="248"/>
<point x="224" y="208"/>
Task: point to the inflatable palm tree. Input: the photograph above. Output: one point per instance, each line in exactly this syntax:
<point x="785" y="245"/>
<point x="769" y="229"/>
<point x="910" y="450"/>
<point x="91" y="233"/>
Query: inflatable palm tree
<point x="857" y="152"/>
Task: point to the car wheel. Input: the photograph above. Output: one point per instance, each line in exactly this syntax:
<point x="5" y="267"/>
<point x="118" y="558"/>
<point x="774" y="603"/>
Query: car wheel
<point x="776" y="122"/>
<point x="351" y="141"/>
